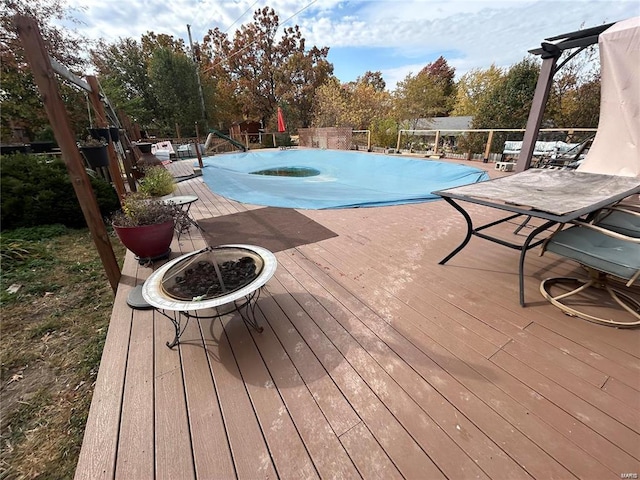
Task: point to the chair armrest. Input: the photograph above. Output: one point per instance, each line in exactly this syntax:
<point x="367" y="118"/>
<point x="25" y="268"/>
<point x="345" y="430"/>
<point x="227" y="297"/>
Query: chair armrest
<point x="626" y="209"/>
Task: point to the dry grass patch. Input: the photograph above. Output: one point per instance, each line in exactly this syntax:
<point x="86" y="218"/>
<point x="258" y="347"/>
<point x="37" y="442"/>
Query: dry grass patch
<point x="53" y="331"/>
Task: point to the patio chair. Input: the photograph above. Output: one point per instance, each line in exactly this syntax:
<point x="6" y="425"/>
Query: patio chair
<point x="604" y="253"/>
<point x="621" y="219"/>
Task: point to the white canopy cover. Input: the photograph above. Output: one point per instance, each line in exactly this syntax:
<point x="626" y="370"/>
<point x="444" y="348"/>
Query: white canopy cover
<point x="615" y="149"/>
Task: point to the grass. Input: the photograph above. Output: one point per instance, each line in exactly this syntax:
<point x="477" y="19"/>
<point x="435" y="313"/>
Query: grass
<point x="52" y="334"/>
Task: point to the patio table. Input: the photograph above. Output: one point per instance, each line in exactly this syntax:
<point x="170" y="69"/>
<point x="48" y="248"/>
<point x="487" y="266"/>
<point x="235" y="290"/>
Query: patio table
<point x="555" y="196"/>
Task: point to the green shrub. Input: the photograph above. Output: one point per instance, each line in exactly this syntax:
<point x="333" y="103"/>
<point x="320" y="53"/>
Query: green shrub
<point x="157" y="182"/>
<point x="37" y="190"/>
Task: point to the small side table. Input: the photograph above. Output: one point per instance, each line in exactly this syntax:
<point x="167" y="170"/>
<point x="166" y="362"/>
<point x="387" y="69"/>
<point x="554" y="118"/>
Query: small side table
<point x="184" y="202"/>
<point x="241" y="299"/>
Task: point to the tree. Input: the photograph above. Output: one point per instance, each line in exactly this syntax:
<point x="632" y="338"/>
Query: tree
<point x="265" y="73"/>
<point x="574" y="99"/>
<point x="122" y="68"/>
<point x="472" y="89"/>
<point x="174" y="81"/>
<point x="354" y="104"/>
<point x="330" y="102"/>
<point x="151" y="41"/>
<point x="374" y="79"/>
<point x="443" y="76"/>
<point x="417" y="97"/>
<point x="508" y="104"/>
<point x="21" y="102"/>
<point x="384" y="132"/>
<point x="302" y="73"/>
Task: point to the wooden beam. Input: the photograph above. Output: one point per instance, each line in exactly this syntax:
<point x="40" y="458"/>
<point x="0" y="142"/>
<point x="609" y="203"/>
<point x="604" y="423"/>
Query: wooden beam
<point x="64" y="72"/>
<point x="534" y="121"/>
<point x="44" y="76"/>
<point x="101" y="122"/>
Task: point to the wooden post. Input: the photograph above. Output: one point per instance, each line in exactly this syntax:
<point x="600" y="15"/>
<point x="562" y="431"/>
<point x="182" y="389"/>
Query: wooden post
<point x="101" y="122"/>
<point x="198" y="153"/>
<point x="44" y="76"/>
<point x="178" y="131"/>
<point x="547" y="70"/>
<point x="435" y="150"/>
<point x="487" y="149"/>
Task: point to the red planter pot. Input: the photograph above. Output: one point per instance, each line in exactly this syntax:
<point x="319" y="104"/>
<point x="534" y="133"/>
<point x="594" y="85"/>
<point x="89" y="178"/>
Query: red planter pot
<point x="147" y="241"/>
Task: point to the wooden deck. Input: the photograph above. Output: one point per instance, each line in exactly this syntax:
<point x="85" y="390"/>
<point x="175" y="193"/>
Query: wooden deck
<point x="375" y="362"/>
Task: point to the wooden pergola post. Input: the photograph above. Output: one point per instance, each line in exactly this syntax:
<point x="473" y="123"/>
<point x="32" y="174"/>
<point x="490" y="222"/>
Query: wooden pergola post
<point x="534" y="121"/>
<point x="44" y="76"/>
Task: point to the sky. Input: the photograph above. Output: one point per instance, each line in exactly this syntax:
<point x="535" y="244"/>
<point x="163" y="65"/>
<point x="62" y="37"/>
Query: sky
<point x="396" y="38"/>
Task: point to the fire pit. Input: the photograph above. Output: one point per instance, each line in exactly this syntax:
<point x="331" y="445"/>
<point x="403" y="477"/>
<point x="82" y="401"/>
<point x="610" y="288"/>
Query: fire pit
<point x="226" y="278"/>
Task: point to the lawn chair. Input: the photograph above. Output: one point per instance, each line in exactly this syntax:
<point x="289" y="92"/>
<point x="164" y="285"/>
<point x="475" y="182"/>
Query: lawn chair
<point x="608" y="243"/>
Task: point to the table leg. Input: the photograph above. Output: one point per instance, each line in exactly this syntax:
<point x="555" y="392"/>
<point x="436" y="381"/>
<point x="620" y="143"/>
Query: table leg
<point x="467" y="237"/>
<point x="189" y="220"/>
<point x="526" y="246"/>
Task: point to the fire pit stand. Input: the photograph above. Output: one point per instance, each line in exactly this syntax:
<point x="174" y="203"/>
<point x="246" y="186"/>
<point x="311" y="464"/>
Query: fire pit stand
<point x="227" y="278"/>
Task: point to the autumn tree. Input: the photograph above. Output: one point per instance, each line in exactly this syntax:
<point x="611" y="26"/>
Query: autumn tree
<point x="22" y="107"/>
<point x="574" y="99"/>
<point x="302" y="73"/>
<point x="416" y="97"/>
<point x="265" y="70"/>
<point x="428" y="94"/>
<point x="472" y="89"/>
<point x="374" y="79"/>
<point x="384" y="132"/>
<point x="331" y="101"/>
<point x="443" y="76"/>
<point x="354" y="104"/>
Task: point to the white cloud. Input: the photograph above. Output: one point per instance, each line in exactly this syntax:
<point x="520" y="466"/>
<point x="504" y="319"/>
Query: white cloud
<point x="470" y="34"/>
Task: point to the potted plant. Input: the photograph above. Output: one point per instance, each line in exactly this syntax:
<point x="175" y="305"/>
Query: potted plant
<point x="95" y="152"/>
<point x="145" y="225"/>
<point x="157" y="182"/>
<point x="102" y="134"/>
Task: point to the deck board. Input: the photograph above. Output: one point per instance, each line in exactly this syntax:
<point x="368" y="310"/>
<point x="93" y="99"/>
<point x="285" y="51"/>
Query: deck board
<point x="374" y="362"/>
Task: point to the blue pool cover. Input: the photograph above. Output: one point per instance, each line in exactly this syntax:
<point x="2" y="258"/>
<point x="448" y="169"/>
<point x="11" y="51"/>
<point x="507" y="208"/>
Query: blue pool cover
<point x="347" y="179"/>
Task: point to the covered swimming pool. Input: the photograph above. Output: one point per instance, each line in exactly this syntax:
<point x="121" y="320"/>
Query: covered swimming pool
<point x="319" y="179"/>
